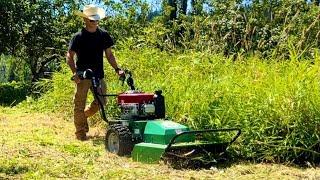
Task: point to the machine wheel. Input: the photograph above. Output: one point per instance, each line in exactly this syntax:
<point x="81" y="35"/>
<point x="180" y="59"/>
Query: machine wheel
<point x="119" y="140"/>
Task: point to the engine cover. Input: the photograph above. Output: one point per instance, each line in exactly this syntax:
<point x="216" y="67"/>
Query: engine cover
<point x="135" y="97"/>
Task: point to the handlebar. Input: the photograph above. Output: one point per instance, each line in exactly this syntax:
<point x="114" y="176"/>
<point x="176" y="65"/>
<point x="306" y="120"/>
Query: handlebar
<point x="88" y="74"/>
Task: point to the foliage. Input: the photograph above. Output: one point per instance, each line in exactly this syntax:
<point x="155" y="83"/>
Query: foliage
<point x="58" y="96"/>
<point x="31" y="31"/>
<point x="13" y="69"/>
<point x="261" y="27"/>
<point x="39" y="31"/>
<point x="13" y="93"/>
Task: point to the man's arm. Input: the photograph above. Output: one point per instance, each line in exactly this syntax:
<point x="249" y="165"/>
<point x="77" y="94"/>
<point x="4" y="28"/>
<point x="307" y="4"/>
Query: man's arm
<point x="72" y="65"/>
<point x="70" y="61"/>
<point x="111" y="59"/>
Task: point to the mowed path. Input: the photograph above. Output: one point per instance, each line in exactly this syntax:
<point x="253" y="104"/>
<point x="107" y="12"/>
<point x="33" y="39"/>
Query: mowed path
<point x="42" y="146"/>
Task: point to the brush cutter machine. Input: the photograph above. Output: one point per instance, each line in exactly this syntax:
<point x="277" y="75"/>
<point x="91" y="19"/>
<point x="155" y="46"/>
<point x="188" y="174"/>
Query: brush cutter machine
<point x="143" y="131"/>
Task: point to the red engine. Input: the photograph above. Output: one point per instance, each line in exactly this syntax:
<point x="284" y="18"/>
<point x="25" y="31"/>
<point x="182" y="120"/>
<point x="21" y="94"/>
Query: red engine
<point x="135" y="97"/>
<point x="140" y="105"/>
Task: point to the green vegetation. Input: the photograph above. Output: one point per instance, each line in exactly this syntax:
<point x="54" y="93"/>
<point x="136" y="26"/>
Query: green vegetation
<point x="13" y="69"/>
<point x="42" y="146"/>
<point x="13" y="93"/>
<point x="274" y="29"/>
<point x="220" y="64"/>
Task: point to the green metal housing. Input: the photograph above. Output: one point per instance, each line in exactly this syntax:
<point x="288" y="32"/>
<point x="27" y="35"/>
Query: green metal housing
<point x="137" y="128"/>
<point x="156" y="135"/>
<point x="148" y="152"/>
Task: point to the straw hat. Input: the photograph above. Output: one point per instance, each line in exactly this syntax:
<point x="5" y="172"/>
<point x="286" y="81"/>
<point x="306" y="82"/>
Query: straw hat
<point x="92" y="12"/>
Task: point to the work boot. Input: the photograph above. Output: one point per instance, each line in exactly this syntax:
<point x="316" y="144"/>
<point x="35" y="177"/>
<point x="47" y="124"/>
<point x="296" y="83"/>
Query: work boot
<point x="82" y="137"/>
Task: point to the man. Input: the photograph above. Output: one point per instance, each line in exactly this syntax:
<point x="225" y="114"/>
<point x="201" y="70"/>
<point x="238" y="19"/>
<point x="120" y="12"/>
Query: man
<point x="88" y="45"/>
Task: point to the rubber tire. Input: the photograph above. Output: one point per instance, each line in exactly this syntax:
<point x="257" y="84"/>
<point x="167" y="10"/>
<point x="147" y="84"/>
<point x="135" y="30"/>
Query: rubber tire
<point x="124" y="136"/>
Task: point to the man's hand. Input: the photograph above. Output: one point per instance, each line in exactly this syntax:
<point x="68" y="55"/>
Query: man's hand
<point x="76" y="78"/>
<point x="120" y="73"/>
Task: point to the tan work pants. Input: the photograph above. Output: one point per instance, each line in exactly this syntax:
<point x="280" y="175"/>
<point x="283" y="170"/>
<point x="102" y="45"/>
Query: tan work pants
<point x="80" y="113"/>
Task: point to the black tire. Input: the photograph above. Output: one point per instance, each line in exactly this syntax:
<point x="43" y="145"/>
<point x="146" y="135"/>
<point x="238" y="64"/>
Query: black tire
<point x="119" y="140"/>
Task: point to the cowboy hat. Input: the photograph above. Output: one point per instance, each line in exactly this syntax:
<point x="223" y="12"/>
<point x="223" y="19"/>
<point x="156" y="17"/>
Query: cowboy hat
<point x="92" y="12"/>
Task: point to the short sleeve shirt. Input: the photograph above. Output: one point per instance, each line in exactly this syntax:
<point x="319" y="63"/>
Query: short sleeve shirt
<point x="89" y="48"/>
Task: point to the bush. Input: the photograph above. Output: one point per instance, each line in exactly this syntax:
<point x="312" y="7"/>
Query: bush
<point x="13" y="93"/>
<point x="13" y="69"/>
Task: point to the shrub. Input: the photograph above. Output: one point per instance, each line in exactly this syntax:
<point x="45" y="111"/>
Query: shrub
<point x="13" y="93"/>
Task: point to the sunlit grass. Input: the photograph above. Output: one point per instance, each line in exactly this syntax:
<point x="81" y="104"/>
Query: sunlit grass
<point x="42" y="146"/>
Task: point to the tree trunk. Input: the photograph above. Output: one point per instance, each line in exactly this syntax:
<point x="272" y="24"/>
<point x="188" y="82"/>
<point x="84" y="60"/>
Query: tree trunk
<point x="184" y="5"/>
<point x="173" y="10"/>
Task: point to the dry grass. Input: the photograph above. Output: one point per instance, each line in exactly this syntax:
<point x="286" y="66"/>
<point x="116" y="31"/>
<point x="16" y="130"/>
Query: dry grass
<point x="42" y="146"/>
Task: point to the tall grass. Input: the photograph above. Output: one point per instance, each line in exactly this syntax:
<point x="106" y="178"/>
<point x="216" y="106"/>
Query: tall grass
<point x="275" y="103"/>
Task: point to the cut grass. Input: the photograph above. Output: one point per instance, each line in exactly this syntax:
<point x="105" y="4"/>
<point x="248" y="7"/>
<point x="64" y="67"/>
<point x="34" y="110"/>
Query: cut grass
<point x="42" y="146"/>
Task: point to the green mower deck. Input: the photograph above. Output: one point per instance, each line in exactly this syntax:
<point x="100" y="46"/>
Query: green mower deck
<point x="157" y="135"/>
<point x="162" y="138"/>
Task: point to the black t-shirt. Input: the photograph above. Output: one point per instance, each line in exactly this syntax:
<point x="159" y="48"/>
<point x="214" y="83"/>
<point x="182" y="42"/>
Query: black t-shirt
<point x="89" y="48"/>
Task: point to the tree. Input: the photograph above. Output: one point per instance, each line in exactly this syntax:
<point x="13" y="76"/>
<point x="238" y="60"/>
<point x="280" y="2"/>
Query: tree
<point x="10" y="34"/>
<point x="316" y="2"/>
<point x="173" y="8"/>
<point x="197" y="6"/>
<point x="34" y="31"/>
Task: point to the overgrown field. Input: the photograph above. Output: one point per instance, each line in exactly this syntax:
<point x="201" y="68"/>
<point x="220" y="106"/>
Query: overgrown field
<point x="42" y="146"/>
<point x="276" y="103"/>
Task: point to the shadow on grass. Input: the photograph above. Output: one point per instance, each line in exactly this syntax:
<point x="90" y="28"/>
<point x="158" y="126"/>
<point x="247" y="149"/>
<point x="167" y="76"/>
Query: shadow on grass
<point x="14" y="170"/>
<point x="219" y="161"/>
<point x="97" y="140"/>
